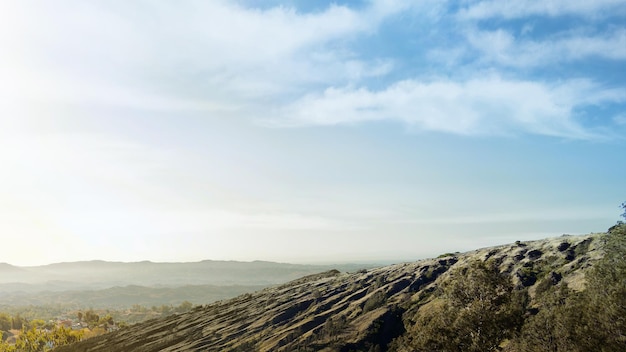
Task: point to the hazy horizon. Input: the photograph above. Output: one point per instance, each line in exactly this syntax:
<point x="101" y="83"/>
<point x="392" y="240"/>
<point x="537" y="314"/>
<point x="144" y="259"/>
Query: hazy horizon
<point x="364" y="261"/>
<point x="382" y="262"/>
<point x="298" y="131"/>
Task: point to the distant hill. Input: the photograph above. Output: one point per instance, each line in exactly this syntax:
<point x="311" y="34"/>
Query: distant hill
<point x="92" y="275"/>
<point x="508" y="297"/>
<point x="10" y="272"/>
<point x="8" y="268"/>
<point x="116" y="285"/>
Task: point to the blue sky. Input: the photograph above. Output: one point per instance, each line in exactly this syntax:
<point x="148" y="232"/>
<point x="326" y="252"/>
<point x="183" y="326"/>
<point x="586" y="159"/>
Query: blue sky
<point x="306" y="131"/>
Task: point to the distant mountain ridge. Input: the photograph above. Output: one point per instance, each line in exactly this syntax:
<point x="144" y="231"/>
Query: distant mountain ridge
<point x="98" y="274"/>
<point x="120" y="285"/>
<point x="8" y="268"/>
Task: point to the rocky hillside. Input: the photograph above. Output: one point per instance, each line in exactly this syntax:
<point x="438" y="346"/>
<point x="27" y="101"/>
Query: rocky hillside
<point x="378" y="309"/>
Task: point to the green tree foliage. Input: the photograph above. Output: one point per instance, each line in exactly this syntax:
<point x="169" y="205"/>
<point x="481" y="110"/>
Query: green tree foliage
<point x="61" y="336"/>
<point x="17" y="322"/>
<point x="7" y="348"/>
<point x="606" y="292"/>
<point x="91" y="317"/>
<point x="592" y="320"/>
<point x="36" y="323"/>
<point x="476" y="311"/>
<point x="5" y="322"/>
<point x="32" y="340"/>
<point x="38" y="340"/>
<point x="557" y="325"/>
<point x="185" y="306"/>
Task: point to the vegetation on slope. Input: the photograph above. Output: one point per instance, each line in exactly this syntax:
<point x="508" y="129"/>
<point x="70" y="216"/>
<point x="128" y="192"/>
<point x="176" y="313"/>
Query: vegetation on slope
<point x="561" y="294"/>
<point x="591" y="320"/>
<point x="36" y="339"/>
<point x="473" y="311"/>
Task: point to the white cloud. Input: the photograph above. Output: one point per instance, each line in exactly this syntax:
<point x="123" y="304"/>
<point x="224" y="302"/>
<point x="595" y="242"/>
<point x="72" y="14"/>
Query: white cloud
<point x="478" y="106"/>
<point x="612" y="45"/>
<point x="502" y="47"/>
<point x="520" y="8"/>
<point x="220" y="57"/>
<point x="199" y="55"/>
<point x="546" y="214"/>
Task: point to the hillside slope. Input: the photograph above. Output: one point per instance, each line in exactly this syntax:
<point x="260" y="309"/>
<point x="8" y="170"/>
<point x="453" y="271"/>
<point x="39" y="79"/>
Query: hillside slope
<point x="373" y="310"/>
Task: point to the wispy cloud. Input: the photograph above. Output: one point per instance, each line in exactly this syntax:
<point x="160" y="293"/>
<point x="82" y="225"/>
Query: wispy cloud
<point x="548" y="214"/>
<point x="225" y="58"/>
<point x="477" y="106"/>
<point x="199" y="51"/>
<point x="510" y="9"/>
<point x="504" y="48"/>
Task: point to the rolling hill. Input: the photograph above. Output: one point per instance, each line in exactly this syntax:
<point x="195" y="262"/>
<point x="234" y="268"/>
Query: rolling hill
<point x="117" y="285"/>
<point x="99" y="274"/>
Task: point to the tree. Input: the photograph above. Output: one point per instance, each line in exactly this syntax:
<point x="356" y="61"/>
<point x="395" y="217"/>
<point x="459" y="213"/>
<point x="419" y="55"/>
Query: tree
<point x="36" y="323"/>
<point x="476" y="310"/>
<point x="17" y="322"/>
<point x="91" y="317"/>
<point x="106" y="320"/>
<point x="592" y="320"/>
<point x="623" y="206"/>
<point x="5" y="347"/>
<point x="31" y="341"/>
<point x="5" y="322"/>
<point x="558" y="325"/>
<point x="64" y="336"/>
<point x="606" y="292"/>
<point x="38" y="340"/>
<point x="184" y="307"/>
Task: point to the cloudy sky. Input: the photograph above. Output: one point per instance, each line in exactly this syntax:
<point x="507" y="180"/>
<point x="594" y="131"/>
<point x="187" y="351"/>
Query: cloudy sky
<point x="306" y="131"/>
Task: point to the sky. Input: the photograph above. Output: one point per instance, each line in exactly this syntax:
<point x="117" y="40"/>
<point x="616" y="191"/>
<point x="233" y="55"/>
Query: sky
<point x="306" y="131"/>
